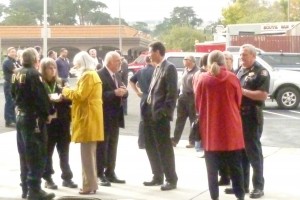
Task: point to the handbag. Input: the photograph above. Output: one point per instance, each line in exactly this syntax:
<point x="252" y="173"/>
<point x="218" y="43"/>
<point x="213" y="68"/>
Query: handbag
<point x="195" y="129"/>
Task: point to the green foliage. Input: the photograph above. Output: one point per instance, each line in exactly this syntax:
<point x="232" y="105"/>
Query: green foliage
<point x="254" y="11"/>
<point x="142" y="26"/>
<point x="182" y="37"/>
<point x="60" y="12"/>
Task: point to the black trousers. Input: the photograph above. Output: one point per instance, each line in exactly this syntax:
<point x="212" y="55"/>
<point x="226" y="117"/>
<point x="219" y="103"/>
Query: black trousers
<point x="32" y="148"/>
<point x="253" y="151"/>
<point x="141" y="138"/>
<point x="107" y="149"/>
<point x="9" y="107"/>
<point x="59" y="136"/>
<point x="159" y="149"/>
<point x="213" y="160"/>
<point x="185" y="109"/>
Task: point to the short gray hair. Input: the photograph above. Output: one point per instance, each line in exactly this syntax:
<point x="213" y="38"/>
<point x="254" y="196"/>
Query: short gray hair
<point x="109" y="56"/>
<point x="84" y="60"/>
<point x="191" y="58"/>
<point x="250" y="48"/>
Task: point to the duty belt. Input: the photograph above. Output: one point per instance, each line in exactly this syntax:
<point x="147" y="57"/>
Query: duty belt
<point x="25" y="113"/>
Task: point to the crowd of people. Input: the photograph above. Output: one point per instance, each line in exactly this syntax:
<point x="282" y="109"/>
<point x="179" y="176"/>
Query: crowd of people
<point x="48" y="113"/>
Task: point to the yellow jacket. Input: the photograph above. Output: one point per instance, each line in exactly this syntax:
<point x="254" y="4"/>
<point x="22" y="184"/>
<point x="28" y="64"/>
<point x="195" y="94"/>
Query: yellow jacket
<point x="87" y="111"/>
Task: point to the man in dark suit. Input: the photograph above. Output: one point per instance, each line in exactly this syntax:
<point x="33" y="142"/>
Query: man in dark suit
<point x="157" y="112"/>
<point x="113" y="93"/>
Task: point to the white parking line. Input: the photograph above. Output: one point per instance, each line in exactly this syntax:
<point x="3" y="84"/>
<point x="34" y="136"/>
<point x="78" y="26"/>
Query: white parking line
<point x="281" y="115"/>
<point x="293" y="111"/>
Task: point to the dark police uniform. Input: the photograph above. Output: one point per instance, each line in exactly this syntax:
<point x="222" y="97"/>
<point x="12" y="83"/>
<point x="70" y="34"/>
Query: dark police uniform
<point x="9" y="65"/>
<point x="255" y="78"/>
<point x="143" y="78"/>
<point x="32" y="112"/>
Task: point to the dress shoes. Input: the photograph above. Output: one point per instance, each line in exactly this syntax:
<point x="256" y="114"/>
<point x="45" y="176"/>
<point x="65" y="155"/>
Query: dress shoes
<point x="50" y="184"/>
<point x="190" y="146"/>
<point x="104" y="182"/>
<point x="153" y="182"/>
<point x="40" y="195"/>
<point x="69" y="184"/>
<point x="168" y="186"/>
<point x="230" y="191"/>
<point x="114" y="179"/>
<point x="256" y="194"/>
<point x="10" y="125"/>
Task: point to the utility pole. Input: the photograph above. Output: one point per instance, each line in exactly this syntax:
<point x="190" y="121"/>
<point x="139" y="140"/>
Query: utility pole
<point x="45" y="29"/>
<point x="120" y="34"/>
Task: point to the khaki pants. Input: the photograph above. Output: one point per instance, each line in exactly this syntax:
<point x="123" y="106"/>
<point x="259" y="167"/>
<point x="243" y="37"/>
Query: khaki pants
<point x="89" y="170"/>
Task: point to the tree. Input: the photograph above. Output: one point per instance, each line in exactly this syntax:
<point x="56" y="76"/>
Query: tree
<point x="184" y="16"/>
<point x="62" y="12"/>
<point x="88" y="10"/>
<point x="252" y="11"/>
<point x="182" y="37"/>
<point x="2" y="9"/>
<point x="180" y="16"/>
<point x="142" y="26"/>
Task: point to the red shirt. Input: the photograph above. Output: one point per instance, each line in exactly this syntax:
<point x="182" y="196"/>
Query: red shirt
<point x="218" y="100"/>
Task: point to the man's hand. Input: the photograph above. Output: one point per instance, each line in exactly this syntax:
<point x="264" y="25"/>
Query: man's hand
<point x="121" y="91"/>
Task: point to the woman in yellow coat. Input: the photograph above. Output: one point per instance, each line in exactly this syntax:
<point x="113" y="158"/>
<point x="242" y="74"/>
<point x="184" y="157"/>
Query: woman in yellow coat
<point x="87" y="117"/>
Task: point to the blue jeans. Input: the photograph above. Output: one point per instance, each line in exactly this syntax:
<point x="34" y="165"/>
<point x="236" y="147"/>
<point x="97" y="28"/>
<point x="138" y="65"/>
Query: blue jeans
<point x="9" y="108"/>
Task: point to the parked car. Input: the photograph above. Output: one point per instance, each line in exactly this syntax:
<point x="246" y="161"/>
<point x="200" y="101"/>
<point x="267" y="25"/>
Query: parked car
<point x="279" y="60"/>
<point x="284" y="84"/>
<point x="137" y="64"/>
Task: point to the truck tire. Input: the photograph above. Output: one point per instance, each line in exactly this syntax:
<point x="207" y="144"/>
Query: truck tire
<point x="288" y="98"/>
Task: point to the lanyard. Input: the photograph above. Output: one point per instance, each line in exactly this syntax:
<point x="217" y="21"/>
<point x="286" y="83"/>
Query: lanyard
<point x="50" y="91"/>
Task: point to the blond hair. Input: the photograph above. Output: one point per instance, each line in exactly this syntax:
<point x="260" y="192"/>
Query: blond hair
<point x="215" y="60"/>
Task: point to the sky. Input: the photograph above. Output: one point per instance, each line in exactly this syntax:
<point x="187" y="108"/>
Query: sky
<point x="141" y="10"/>
<point x="144" y="10"/>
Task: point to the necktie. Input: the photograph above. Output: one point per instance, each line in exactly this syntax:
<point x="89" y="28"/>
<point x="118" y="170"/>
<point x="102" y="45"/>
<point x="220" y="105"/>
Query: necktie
<point x="115" y="80"/>
<point x="154" y="77"/>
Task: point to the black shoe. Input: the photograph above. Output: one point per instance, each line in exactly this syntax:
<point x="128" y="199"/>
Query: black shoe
<point x="256" y="194"/>
<point x="24" y="190"/>
<point x="10" y="125"/>
<point x="153" y="182"/>
<point x="103" y="181"/>
<point x="50" y="184"/>
<point x="241" y="198"/>
<point x="230" y="191"/>
<point x="40" y="195"/>
<point x="224" y="181"/>
<point x="114" y="179"/>
<point x="69" y="184"/>
<point x="168" y="186"/>
<point x="190" y="146"/>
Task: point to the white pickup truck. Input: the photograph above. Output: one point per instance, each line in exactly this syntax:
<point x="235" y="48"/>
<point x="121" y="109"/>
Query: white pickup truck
<point x="284" y="84"/>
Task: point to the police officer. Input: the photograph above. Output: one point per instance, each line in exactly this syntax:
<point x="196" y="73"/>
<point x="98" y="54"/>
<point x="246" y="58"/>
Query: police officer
<point x="9" y="67"/>
<point x="255" y="81"/>
<point x="32" y="113"/>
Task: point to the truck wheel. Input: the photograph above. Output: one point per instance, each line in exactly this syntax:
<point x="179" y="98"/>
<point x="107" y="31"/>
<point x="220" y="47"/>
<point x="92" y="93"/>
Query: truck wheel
<point x="288" y="98"/>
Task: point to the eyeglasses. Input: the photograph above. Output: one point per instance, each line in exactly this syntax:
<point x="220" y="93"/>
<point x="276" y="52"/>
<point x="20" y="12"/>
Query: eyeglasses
<point x="186" y="59"/>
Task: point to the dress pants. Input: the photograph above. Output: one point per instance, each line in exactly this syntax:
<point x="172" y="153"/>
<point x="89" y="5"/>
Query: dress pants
<point x="185" y="109"/>
<point x="89" y="170"/>
<point x="213" y="160"/>
<point x="58" y="135"/>
<point x="253" y="151"/>
<point x="107" y="149"/>
<point x="159" y="149"/>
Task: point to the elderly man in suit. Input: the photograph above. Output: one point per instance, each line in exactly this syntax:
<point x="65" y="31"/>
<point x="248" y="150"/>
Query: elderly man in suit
<point x="113" y="93"/>
<point x="157" y="112"/>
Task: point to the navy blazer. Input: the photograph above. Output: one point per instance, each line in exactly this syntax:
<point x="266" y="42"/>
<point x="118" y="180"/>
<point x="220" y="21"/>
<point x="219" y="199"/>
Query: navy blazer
<point x="112" y="106"/>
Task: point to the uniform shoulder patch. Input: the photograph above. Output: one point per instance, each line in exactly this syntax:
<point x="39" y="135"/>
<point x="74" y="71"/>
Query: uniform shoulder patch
<point x="264" y="72"/>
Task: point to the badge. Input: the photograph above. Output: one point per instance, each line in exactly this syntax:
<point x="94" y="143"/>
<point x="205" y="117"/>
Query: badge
<point x="251" y="74"/>
<point x="264" y="73"/>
